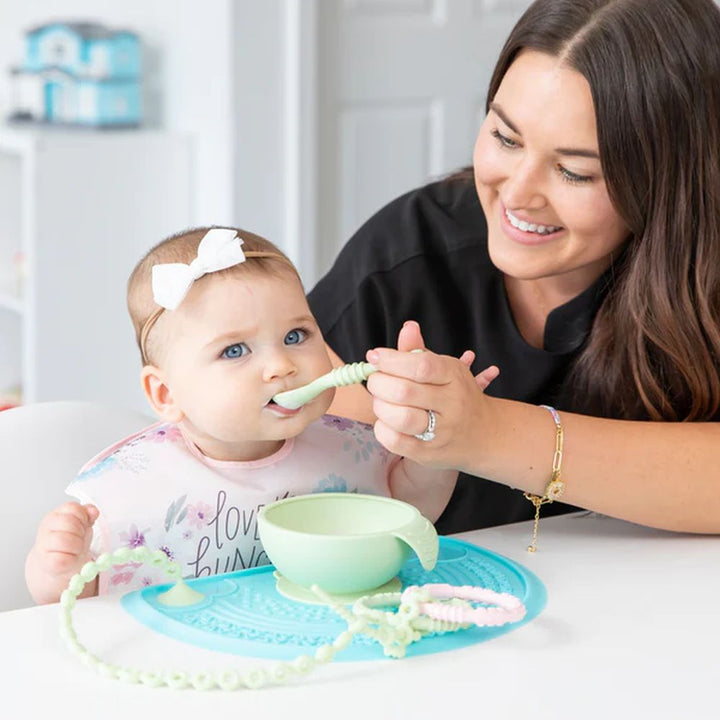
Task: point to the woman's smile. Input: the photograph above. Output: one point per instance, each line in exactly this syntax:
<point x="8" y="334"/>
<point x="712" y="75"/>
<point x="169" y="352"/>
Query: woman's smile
<point x="524" y="231"/>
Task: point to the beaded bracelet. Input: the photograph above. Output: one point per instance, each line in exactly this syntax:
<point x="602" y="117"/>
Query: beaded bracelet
<point x="419" y="613"/>
<point x="555" y="487"/>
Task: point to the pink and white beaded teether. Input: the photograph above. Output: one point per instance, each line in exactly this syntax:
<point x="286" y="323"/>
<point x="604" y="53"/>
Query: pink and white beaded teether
<point x="505" y="608"/>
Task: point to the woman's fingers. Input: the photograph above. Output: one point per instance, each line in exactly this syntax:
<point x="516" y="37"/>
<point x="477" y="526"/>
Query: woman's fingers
<point x="419" y="367"/>
<point x="402" y="408"/>
<point x="484" y="378"/>
<point x="410" y="337"/>
<point x="411" y="392"/>
<point x="411" y="384"/>
<point x="401" y="418"/>
<point x="467" y="358"/>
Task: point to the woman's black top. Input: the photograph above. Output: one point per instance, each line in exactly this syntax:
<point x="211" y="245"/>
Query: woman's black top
<point x="424" y="257"/>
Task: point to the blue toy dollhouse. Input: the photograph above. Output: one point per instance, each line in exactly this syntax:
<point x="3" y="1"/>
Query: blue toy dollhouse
<point x="79" y="73"/>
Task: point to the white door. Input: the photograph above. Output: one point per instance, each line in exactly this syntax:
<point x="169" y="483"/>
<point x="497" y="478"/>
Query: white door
<point x="401" y="89"/>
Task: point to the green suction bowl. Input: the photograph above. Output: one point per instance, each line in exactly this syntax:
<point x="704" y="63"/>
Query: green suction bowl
<point x="344" y="542"/>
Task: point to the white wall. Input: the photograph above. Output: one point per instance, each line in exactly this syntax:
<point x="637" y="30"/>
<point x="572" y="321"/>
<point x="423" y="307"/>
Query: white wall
<point x="188" y="88"/>
<point x="275" y="142"/>
<point x="259" y="84"/>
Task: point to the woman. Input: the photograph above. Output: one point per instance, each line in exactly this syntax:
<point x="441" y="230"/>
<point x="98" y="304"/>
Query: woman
<point x="584" y="262"/>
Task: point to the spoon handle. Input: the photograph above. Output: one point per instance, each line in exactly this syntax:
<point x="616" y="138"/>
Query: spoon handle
<point x="344" y="375"/>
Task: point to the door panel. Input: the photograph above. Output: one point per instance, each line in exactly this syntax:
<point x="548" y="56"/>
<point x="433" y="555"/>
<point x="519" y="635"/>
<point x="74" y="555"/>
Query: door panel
<point x="401" y="93"/>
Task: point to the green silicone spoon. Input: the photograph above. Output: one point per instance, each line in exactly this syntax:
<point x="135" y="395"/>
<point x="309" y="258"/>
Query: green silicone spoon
<point x="340" y="376"/>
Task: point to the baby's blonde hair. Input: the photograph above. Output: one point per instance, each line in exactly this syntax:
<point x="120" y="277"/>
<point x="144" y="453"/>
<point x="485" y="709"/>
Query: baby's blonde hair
<point x="264" y="258"/>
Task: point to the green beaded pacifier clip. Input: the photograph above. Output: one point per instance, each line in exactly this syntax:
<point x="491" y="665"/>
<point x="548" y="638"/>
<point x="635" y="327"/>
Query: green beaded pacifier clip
<point x="421" y="611"/>
<point x="339" y="377"/>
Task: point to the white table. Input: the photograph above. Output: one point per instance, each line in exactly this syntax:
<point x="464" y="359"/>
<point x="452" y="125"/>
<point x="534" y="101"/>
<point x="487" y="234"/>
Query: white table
<point x="631" y="630"/>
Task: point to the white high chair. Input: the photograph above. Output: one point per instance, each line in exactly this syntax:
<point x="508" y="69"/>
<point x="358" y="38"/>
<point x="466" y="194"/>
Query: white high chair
<point x="42" y="446"/>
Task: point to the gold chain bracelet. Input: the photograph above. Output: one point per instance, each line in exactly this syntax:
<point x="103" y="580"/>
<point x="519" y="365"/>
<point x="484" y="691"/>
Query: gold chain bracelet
<point x="555" y="487"/>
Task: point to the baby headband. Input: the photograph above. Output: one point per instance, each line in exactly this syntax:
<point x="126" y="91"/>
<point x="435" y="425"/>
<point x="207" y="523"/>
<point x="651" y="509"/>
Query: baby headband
<point x="220" y="248"/>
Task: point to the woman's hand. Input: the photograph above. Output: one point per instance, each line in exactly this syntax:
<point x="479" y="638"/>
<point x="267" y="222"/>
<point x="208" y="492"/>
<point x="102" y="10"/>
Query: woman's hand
<point x="409" y="384"/>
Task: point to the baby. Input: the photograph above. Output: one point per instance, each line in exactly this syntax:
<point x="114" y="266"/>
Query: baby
<point x="223" y="325"/>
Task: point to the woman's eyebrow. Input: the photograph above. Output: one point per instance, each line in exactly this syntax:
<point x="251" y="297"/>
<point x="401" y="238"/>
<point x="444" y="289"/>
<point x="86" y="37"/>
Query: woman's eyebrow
<point x="577" y="152"/>
<point x="501" y="114"/>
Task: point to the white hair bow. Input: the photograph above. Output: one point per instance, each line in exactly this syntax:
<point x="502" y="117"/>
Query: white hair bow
<point x="219" y="249"/>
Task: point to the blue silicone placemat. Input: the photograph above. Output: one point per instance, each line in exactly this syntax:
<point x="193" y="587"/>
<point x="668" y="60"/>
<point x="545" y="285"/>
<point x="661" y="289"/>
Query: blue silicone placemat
<point x="244" y="614"/>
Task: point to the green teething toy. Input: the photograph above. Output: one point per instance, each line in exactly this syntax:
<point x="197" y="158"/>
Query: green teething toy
<point x="339" y="377"/>
<point x="393" y="630"/>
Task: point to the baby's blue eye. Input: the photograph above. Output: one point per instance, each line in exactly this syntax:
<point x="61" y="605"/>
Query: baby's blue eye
<point x="235" y="351"/>
<point x="295" y="336"/>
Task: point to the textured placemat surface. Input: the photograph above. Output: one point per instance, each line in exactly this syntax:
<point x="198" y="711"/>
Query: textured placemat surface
<point x="243" y="613"/>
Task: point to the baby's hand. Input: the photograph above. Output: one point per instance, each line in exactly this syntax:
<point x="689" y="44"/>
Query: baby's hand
<point x="62" y="547"/>
<point x="63" y="538"/>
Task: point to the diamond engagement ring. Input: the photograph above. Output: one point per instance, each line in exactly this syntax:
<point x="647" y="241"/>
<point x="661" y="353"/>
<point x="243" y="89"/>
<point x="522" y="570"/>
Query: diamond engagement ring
<point x="429" y="433"/>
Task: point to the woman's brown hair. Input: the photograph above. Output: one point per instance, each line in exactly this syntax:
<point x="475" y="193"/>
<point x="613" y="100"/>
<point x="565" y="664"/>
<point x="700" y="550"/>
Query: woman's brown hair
<point x="653" y="67"/>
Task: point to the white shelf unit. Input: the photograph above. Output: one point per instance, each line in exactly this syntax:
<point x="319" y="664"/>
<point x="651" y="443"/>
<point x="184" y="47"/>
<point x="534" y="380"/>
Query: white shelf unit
<point x="80" y="208"/>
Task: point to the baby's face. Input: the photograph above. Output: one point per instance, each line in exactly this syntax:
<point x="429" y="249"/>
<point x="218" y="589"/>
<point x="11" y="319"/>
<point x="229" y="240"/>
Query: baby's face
<point x="234" y="343"/>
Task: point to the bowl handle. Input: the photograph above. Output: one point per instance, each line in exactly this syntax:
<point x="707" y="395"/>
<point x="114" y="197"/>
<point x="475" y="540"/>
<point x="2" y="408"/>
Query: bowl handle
<point x="421" y="536"/>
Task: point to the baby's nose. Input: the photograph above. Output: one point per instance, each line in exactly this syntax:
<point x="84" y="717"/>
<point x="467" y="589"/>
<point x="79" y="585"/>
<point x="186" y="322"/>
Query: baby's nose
<point x="279" y="365"/>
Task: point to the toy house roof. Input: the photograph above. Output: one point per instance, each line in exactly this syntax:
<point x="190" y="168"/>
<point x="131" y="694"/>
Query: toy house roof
<point x="86" y="30"/>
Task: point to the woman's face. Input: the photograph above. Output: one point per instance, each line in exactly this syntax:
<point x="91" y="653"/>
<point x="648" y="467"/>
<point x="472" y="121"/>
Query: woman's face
<point x="539" y="180"/>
